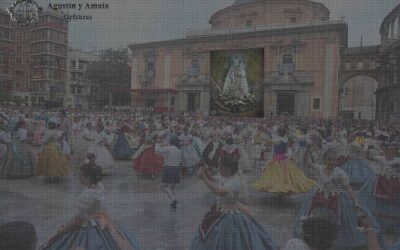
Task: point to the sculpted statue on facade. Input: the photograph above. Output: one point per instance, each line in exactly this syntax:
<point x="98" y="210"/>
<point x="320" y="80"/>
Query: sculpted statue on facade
<point x="236" y="89"/>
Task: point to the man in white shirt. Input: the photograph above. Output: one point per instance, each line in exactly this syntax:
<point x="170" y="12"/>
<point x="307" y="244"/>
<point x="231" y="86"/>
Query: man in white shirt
<point x="172" y="162"/>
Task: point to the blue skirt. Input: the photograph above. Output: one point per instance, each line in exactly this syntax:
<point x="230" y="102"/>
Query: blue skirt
<point x="17" y="162"/>
<point x="358" y="171"/>
<point x="235" y="231"/>
<point x="91" y="238"/>
<point x="171" y="175"/>
<point x="396" y="246"/>
<point x="122" y="149"/>
<point x="349" y="236"/>
<point x="387" y="212"/>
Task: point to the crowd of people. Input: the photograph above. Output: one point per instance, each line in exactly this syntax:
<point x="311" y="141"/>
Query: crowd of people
<point x="347" y="170"/>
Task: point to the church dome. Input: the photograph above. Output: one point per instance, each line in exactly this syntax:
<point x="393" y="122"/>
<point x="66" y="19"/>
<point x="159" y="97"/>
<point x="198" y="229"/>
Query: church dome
<point x="258" y="13"/>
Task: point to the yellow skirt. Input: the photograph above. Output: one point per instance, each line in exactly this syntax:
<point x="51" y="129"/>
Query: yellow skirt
<point x="52" y="162"/>
<point x="285" y="178"/>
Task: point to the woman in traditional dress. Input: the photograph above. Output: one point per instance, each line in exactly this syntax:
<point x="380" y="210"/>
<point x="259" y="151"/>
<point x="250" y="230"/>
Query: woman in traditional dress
<point x="334" y="199"/>
<point x="123" y="149"/>
<point x="52" y="162"/>
<point x="101" y="149"/>
<point x="281" y="175"/>
<point x="190" y="153"/>
<point x="5" y="140"/>
<point x="211" y="151"/>
<point x="91" y="228"/>
<point x="145" y="159"/>
<point x="76" y="134"/>
<point x="18" y="161"/>
<point x="258" y="140"/>
<point x="88" y="142"/>
<point x="356" y="168"/>
<point x="39" y="134"/>
<point x="228" y="225"/>
<point x="303" y="141"/>
<point x="381" y="194"/>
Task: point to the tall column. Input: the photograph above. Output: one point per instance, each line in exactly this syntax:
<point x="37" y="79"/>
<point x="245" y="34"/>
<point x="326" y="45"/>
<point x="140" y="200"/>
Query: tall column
<point x="206" y="102"/>
<point x="330" y="81"/>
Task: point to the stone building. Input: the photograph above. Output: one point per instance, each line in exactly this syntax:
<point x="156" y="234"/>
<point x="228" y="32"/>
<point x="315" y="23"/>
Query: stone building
<point x="77" y="89"/>
<point x="49" y="59"/>
<point x="33" y="59"/>
<point x="388" y="92"/>
<point x="5" y="52"/>
<point x="359" y="76"/>
<point x="300" y="68"/>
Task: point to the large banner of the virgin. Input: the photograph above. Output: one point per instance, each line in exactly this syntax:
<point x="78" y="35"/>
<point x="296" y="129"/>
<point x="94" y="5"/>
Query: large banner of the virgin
<point x="236" y="82"/>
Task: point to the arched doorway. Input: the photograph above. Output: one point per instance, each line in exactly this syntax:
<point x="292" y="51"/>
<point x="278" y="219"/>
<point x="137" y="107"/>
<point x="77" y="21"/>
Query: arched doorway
<point x="358" y="100"/>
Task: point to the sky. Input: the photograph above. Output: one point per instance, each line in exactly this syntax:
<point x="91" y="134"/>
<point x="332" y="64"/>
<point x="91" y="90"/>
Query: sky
<point x="136" y="21"/>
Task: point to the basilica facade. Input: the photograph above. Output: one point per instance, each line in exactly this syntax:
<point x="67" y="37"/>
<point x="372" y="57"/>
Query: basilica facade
<point x="259" y="57"/>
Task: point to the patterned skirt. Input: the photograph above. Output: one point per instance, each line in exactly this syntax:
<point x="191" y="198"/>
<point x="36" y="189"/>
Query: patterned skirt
<point x="282" y="176"/>
<point x="233" y="231"/>
<point x="52" y="162"/>
<point x="96" y="234"/>
<point x="17" y="162"/>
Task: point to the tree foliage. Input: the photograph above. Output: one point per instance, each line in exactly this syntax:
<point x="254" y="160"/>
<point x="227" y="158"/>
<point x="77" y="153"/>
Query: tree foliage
<point x="107" y="74"/>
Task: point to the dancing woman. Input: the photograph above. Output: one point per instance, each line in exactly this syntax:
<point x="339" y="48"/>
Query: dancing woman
<point x="357" y="169"/>
<point x="101" y="149"/>
<point x="91" y="228"/>
<point x="281" y="175"/>
<point x="18" y="160"/>
<point x="381" y="193"/>
<point x="228" y="224"/>
<point x="334" y="199"/>
<point x="52" y="162"/>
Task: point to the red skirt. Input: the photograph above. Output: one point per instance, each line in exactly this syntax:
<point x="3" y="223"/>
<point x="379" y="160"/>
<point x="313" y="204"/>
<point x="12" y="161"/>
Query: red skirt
<point x="148" y="162"/>
<point x="330" y="202"/>
<point x="387" y="188"/>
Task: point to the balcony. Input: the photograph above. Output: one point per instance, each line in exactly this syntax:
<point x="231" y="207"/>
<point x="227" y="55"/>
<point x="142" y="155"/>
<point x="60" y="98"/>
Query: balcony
<point x="145" y="81"/>
<point x="290" y="77"/>
<point x="194" y="80"/>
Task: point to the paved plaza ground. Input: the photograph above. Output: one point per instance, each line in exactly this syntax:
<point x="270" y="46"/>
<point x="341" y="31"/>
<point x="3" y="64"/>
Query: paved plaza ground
<point x="139" y="205"/>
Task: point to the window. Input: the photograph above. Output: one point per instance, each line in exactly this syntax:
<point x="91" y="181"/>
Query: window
<point x="316" y="103"/>
<point x="73" y="64"/>
<point x="150" y="71"/>
<point x="172" y="101"/>
<point x="372" y="65"/>
<point x="287" y="58"/>
<point x="348" y="65"/>
<point x="249" y="23"/>
<point x="292" y="20"/>
<point x="360" y="65"/>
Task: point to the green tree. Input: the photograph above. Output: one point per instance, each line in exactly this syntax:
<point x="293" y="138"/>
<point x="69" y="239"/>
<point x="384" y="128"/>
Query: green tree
<point x="108" y="74"/>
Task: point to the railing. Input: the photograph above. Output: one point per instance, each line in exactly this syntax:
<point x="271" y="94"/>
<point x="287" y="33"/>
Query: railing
<point x="211" y="32"/>
<point x="201" y="78"/>
<point x="298" y="75"/>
